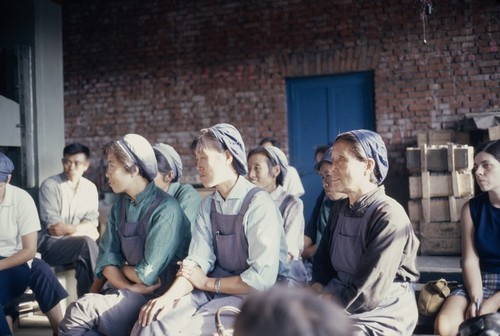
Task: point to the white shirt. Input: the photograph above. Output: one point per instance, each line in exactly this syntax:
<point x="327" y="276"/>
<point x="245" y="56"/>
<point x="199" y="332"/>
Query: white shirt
<point x="293" y="217"/>
<point x="292" y="183"/>
<point x="61" y="201"/>
<point x="18" y="217"/>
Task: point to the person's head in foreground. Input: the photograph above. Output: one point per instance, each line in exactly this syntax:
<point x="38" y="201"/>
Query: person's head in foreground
<point x="283" y="311"/>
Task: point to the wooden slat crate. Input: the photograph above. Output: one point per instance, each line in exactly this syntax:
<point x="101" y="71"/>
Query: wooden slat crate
<point x="438" y="238"/>
<point x="453" y="184"/>
<point x="442" y="137"/>
<point x="494" y="132"/>
<point x="440" y="158"/>
<point x="436" y="209"/>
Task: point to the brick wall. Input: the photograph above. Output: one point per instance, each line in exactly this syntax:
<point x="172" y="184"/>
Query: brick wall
<point x="165" y="69"/>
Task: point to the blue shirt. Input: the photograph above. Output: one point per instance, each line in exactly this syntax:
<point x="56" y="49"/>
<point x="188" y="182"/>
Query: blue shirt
<point x="189" y="199"/>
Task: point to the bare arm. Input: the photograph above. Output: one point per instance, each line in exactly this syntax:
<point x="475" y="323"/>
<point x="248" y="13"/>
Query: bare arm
<point x="83" y="229"/>
<point x="28" y="251"/>
<point x="470" y="268"/>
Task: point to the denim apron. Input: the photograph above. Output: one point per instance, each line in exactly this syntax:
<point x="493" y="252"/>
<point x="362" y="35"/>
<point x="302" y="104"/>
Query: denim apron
<point x="230" y="242"/>
<point x="133" y="238"/>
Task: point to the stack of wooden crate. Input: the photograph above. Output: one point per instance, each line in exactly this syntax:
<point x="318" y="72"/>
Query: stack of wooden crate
<point x="441" y="182"/>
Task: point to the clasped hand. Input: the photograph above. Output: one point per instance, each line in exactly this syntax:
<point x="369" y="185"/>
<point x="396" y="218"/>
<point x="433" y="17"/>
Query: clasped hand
<point x="194" y="274"/>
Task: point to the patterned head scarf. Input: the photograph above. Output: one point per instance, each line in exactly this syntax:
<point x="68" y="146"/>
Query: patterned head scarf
<point x="374" y="148"/>
<point x="278" y="157"/>
<point x="172" y="157"/>
<point x="229" y="136"/>
<point x="141" y="153"/>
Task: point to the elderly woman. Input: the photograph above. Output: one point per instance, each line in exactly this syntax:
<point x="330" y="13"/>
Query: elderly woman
<point x="146" y="235"/>
<point x="480" y="220"/>
<point x="367" y="255"/>
<point x="169" y="174"/>
<point x="238" y="243"/>
<point x="267" y="169"/>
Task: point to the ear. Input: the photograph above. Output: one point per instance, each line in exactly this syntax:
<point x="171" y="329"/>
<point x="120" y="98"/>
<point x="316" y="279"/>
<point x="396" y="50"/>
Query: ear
<point x="87" y="165"/>
<point x="275" y="171"/>
<point x="228" y="157"/>
<point x="168" y="177"/>
<point x="370" y="166"/>
<point x="135" y="171"/>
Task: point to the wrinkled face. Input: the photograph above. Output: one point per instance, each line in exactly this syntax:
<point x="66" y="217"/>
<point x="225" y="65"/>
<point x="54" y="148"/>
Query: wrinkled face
<point x="260" y="174"/>
<point x="487" y="171"/>
<point x="119" y="178"/>
<point x="212" y="166"/>
<point x="74" y="166"/>
<point x="349" y="173"/>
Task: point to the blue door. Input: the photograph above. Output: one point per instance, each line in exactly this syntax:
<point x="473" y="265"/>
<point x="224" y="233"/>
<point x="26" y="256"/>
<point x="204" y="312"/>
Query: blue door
<point x="319" y="108"/>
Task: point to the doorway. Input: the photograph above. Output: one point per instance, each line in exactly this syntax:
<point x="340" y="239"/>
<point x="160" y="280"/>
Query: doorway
<point x="319" y="108"/>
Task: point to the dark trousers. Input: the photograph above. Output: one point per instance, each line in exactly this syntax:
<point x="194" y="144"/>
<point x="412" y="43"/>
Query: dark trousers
<point x="13" y="282"/>
<point x="81" y="251"/>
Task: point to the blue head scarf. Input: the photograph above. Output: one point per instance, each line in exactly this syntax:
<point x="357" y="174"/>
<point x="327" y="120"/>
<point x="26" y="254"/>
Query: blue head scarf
<point x="374" y="148"/>
<point x="229" y="136"/>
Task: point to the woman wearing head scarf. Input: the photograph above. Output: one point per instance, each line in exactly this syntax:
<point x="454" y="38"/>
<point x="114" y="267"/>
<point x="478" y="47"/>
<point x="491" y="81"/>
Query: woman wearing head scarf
<point x="367" y="255"/>
<point x="480" y="221"/>
<point x="267" y="169"/>
<point x="169" y="174"/>
<point x="146" y="235"/>
<point x="236" y="247"/>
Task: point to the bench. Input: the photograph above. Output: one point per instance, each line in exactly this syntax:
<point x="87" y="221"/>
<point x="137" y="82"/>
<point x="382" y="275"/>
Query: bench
<point x="433" y="268"/>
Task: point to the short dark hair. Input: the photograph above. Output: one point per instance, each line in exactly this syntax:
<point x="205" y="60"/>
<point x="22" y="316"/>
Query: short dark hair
<point x="291" y="312"/>
<point x="76" y="148"/>
<point x="273" y="141"/>
<point x="321" y="149"/>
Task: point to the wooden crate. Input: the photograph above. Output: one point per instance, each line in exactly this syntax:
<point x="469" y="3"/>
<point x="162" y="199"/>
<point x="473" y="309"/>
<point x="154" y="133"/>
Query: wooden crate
<point x="436" y="209"/>
<point x="439" y="238"/>
<point x="453" y="184"/>
<point x="449" y="157"/>
<point x="442" y="137"/>
<point x="494" y="132"/>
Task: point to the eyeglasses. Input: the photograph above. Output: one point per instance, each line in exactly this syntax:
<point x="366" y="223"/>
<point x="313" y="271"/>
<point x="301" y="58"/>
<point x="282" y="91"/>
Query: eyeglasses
<point x="68" y="163"/>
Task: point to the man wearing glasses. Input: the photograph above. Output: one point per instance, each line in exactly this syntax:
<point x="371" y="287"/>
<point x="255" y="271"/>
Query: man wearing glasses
<point x="69" y="216"/>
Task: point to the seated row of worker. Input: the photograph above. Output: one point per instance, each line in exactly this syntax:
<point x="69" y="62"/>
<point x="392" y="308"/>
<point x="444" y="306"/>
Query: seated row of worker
<point x="234" y="241"/>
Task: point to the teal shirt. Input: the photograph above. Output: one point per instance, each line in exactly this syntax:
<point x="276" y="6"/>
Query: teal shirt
<point x="189" y="199"/>
<point x="169" y="235"/>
